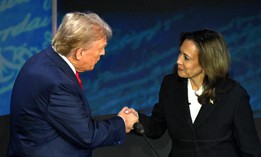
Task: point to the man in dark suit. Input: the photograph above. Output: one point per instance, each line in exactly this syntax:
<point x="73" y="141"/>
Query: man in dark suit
<point x="50" y="115"/>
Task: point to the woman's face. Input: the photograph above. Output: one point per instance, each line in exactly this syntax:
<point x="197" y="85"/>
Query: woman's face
<point x="188" y="62"/>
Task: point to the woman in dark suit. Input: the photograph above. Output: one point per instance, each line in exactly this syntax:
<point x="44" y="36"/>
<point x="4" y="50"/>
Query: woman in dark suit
<point x="207" y="114"/>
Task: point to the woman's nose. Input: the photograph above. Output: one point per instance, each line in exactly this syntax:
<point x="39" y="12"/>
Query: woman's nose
<point x="179" y="60"/>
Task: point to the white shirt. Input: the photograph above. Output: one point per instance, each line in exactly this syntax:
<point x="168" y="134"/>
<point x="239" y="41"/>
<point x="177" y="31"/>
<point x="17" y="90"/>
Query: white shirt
<point x="67" y="61"/>
<point x="193" y="101"/>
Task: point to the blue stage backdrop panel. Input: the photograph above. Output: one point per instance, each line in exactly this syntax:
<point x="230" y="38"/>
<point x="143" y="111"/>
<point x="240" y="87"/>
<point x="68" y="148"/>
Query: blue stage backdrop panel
<point x="25" y="29"/>
<point x="143" y="49"/>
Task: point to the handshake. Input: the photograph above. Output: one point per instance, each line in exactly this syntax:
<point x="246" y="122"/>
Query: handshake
<point x="130" y="117"/>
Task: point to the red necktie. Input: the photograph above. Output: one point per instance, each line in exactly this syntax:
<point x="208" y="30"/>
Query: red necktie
<point x="79" y="79"/>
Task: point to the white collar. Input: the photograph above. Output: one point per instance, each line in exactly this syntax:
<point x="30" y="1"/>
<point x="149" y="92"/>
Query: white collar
<point x="197" y="92"/>
<point x="67" y="61"/>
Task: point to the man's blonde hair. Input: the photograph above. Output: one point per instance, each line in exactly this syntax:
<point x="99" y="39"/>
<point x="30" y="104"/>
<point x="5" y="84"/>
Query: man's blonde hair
<point x="77" y="29"/>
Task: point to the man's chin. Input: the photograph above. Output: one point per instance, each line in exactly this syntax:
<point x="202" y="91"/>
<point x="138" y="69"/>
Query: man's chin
<point x="90" y="68"/>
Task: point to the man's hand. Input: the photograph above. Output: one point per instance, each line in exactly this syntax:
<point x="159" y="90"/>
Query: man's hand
<point x="129" y="116"/>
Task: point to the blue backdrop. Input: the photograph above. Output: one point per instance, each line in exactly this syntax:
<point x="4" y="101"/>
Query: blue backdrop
<point x="24" y="30"/>
<point x="143" y="49"/>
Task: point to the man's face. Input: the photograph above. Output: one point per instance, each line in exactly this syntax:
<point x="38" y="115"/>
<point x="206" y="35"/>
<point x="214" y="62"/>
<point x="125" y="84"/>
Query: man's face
<point x="91" y="55"/>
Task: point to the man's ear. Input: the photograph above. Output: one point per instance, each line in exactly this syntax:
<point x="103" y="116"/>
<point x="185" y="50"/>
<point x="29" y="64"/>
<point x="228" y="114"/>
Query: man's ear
<point x="78" y="53"/>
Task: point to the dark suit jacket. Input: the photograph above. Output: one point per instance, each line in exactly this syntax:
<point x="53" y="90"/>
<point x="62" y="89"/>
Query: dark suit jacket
<point x="50" y="115"/>
<point x="223" y="129"/>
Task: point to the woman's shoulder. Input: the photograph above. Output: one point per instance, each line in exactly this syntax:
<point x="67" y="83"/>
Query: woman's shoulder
<point x="174" y="78"/>
<point x="230" y="85"/>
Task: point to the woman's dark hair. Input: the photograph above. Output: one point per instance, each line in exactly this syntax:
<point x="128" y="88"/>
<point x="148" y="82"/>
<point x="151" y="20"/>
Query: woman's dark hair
<point x="214" y="58"/>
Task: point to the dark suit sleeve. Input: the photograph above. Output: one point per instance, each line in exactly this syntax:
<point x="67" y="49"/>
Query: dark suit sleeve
<point x="72" y="119"/>
<point x="155" y="125"/>
<point x="246" y="134"/>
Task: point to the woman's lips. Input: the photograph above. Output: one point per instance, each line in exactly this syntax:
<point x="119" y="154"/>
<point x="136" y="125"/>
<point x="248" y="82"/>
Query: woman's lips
<point x="180" y="69"/>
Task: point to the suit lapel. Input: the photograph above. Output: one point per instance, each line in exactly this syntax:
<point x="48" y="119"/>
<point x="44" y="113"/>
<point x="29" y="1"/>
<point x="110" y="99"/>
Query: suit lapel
<point x="67" y="71"/>
<point x="204" y="113"/>
<point x="182" y="102"/>
<point x="182" y="107"/>
<point x="61" y="64"/>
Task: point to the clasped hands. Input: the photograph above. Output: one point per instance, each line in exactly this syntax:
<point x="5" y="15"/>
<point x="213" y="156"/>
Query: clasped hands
<point x="130" y="117"/>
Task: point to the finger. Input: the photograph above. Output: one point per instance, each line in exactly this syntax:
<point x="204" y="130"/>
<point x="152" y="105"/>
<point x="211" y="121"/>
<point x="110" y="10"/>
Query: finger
<point x="124" y="109"/>
<point x="134" y="112"/>
<point x="127" y="110"/>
